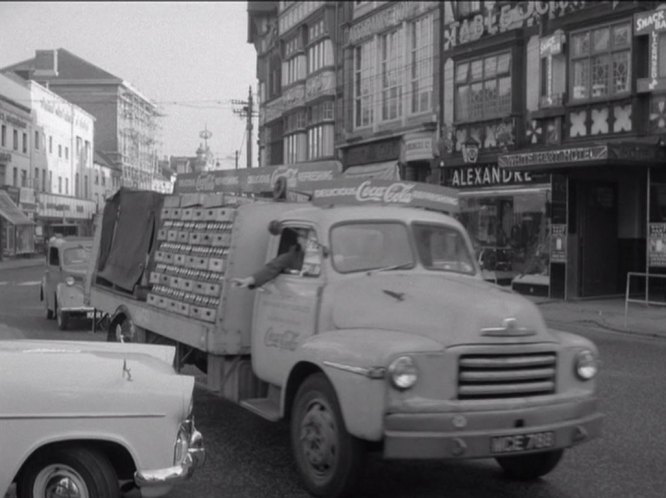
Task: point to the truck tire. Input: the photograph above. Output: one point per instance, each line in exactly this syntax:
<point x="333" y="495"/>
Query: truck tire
<point x="329" y="459"/>
<point x="122" y="329"/>
<point x="532" y="466"/>
<point x="50" y="472"/>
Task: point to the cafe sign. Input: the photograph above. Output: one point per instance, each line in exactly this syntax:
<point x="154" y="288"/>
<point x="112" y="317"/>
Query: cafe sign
<point x="651" y="23"/>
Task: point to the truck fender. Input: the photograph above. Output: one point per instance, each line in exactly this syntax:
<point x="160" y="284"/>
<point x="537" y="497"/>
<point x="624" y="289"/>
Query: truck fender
<point x="355" y="362"/>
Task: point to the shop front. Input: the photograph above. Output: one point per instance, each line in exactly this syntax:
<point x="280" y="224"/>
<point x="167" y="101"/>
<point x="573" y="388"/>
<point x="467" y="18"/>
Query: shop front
<point x="378" y="159"/>
<point x="604" y="224"/>
<point x="16" y="229"/>
<point x="506" y="215"/>
<point x="64" y="215"/>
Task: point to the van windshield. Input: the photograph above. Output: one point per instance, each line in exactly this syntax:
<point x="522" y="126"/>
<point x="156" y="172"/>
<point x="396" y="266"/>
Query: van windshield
<point x="75" y="255"/>
<point x="371" y="246"/>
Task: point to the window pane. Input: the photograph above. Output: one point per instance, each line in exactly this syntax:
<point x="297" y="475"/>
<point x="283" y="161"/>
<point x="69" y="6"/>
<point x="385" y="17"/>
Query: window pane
<point x="581" y="74"/>
<point x="461" y="72"/>
<point x="491" y="97"/>
<point x="504" y="63"/>
<point x="621" y="35"/>
<point x="462" y="102"/>
<point x="601" y="39"/>
<point x="477" y="70"/>
<point x="580" y="44"/>
<point x="490" y="67"/>
<point x="600" y="75"/>
<point x="476" y="100"/>
<point x="621" y="65"/>
<point x="504" y="95"/>
<point x="662" y="55"/>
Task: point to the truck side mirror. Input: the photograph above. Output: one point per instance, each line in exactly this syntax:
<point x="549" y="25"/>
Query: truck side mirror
<point x="275" y="227"/>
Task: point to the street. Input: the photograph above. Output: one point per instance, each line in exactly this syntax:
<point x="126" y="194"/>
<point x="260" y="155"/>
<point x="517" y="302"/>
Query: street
<point x="250" y="457"/>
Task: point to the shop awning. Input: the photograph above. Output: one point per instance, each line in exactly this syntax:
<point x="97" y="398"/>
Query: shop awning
<point x="577" y="156"/>
<point x="378" y="171"/>
<point x="10" y="212"/>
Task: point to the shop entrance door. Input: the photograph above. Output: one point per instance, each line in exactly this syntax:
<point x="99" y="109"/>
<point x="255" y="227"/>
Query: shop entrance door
<point x="598" y="238"/>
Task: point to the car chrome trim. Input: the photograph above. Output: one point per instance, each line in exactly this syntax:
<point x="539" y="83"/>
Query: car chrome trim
<point x="193" y="459"/>
<point x="372" y="373"/>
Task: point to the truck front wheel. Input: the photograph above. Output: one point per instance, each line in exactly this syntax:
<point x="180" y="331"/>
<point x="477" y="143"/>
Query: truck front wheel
<point x="329" y="459"/>
<point x="528" y="467"/>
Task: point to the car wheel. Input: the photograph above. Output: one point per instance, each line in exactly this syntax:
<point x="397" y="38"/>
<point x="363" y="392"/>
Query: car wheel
<point x="529" y="467"/>
<point x="62" y="317"/>
<point x="68" y="471"/>
<point x="329" y="459"/>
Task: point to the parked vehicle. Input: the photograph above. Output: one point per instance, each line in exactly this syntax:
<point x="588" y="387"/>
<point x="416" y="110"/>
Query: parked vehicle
<point x="387" y="338"/>
<point x="88" y="419"/>
<point x="67" y="260"/>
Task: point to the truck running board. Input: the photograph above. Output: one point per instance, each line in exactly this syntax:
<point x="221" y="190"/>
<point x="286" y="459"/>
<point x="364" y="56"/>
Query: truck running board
<point x="264" y="407"/>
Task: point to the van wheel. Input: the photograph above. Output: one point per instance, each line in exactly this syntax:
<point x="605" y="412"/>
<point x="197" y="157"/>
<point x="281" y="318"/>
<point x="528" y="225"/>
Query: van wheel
<point x="532" y="466"/>
<point x="329" y="459"/>
<point x="71" y="471"/>
<point x="49" y="311"/>
<point x="62" y="317"/>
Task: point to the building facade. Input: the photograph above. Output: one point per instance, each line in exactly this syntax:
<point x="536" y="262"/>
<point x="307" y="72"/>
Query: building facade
<point x="127" y="122"/>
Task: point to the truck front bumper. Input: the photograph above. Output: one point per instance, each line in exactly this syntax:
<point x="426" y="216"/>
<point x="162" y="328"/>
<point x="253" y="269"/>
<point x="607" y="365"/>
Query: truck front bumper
<point x="162" y="479"/>
<point x="491" y="433"/>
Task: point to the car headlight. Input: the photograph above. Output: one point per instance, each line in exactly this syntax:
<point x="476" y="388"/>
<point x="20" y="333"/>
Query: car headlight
<point x="586" y="364"/>
<point x="70" y="280"/>
<point x="182" y="442"/>
<point x="403" y="373"/>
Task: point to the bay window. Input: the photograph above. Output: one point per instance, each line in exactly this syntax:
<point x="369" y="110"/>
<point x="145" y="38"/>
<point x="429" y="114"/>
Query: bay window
<point x="321" y="130"/>
<point x="483" y="88"/>
<point x="600" y="61"/>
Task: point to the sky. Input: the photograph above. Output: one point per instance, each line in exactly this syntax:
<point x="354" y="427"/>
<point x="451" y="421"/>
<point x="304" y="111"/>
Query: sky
<point x="190" y="58"/>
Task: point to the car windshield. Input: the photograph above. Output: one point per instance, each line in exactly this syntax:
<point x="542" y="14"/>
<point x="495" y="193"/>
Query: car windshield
<point x="371" y="246"/>
<point x="76" y="255"/>
<point x="442" y="248"/>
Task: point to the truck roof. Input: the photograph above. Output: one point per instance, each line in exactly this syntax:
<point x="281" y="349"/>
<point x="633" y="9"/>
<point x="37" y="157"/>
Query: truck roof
<point x="329" y="216"/>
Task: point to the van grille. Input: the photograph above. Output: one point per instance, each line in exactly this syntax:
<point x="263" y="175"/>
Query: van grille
<point x="487" y="376"/>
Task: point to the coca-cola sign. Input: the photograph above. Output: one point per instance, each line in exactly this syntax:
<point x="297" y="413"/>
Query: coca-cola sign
<point x="387" y="192"/>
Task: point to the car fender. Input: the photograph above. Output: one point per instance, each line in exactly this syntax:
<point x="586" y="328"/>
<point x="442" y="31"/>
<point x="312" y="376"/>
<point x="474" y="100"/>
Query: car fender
<point x="355" y="362"/>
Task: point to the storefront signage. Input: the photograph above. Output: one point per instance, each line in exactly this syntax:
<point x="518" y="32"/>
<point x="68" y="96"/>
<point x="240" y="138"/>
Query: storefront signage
<point x="5" y="157"/>
<point x="13" y="120"/>
<point x="651" y="23"/>
<point x="418" y="149"/>
<point x="568" y="155"/>
<point x="391" y="16"/>
<point x="374" y="152"/>
<point x="505" y="17"/>
<point x="387" y="192"/>
<point x="558" y="243"/>
<point x="321" y="84"/>
<point x="657" y="245"/>
<point x="305" y="176"/>
<point x="488" y="175"/>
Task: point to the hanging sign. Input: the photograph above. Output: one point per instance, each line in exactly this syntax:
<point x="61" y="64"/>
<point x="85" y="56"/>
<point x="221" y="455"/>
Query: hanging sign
<point x="651" y="23"/>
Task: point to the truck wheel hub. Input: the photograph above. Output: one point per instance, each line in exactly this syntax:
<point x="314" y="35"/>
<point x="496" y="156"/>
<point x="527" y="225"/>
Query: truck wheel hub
<point x="318" y="437"/>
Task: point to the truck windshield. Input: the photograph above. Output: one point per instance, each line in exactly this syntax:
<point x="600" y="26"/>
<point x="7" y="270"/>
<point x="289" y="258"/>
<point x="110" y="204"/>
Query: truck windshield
<point x="76" y="255"/>
<point x="442" y="248"/>
<point x="369" y="246"/>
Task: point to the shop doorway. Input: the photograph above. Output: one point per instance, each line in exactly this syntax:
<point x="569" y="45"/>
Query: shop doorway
<point x="598" y="247"/>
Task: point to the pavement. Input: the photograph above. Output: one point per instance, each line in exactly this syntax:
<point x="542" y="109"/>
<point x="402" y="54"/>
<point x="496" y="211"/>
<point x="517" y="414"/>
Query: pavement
<point x="610" y="314"/>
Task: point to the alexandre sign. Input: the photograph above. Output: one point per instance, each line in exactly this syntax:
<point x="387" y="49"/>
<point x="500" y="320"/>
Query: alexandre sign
<point x="488" y="175"/>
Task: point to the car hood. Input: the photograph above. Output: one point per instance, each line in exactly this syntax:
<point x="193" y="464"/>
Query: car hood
<point x="449" y="308"/>
<point x="92" y="378"/>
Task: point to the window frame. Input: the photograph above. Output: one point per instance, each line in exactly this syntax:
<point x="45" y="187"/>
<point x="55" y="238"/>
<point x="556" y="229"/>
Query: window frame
<point x="592" y="54"/>
<point x="415" y="62"/>
<point x="364" y="90"/>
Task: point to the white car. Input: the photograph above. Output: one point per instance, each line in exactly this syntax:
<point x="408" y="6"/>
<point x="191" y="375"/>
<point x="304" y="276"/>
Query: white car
<point x="89" y="419"/>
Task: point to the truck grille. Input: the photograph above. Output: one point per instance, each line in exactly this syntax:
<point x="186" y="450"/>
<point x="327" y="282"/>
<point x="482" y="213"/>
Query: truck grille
<point x="487" y="376"/>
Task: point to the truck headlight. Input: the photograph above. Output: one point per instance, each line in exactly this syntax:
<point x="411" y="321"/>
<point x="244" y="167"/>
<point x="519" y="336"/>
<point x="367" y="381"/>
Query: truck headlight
<point x="586" y="364"/>
<point x="403" y="373"/>
<point x="69" y="280"/>
<point x="182" y="442"/>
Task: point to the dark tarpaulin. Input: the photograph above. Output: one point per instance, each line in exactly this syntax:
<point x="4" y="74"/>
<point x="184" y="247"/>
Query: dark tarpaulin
<point x="129" y="227"/>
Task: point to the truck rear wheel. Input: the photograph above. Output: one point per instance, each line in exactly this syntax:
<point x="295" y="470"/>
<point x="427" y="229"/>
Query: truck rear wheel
<point x="532" y="466"/>
<point x="329" y="459"/>
<point x="122" y="329"/>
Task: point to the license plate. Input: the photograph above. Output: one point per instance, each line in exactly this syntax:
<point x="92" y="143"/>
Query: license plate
<point x="522" y="442"/>
<point x="90" y="314"/>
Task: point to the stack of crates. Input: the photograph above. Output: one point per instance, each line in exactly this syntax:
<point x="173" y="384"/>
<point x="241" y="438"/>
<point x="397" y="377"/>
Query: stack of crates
<point x="190" y="260"/>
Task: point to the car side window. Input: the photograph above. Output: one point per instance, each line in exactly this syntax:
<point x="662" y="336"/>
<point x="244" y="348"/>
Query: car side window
<point x="53" y="256"/>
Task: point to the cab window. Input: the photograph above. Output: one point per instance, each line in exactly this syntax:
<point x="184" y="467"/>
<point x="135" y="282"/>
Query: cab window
<point x="53" y="256"/>
<point x="310" y="265"/>
<point x="368" y="246"/>
<point x="442" y="248"/>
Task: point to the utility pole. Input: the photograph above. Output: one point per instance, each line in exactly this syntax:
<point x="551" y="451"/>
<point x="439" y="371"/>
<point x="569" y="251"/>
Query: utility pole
<point x="246" y="111"/>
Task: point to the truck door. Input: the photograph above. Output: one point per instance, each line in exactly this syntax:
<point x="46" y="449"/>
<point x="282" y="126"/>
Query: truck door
<point x="285" y="310"/>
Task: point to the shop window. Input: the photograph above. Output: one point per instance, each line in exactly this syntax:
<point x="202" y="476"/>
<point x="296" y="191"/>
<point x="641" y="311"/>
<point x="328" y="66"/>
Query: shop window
<point x="600" y="61"/>
<point x="483" y="88"/>
<point x="421" y="64"/>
